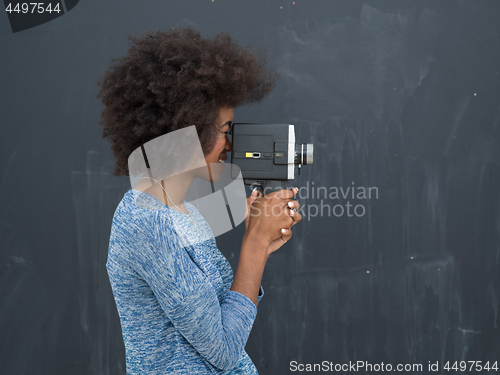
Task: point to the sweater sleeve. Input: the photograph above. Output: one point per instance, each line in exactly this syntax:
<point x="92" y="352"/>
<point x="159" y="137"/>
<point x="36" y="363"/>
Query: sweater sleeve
<point x="218" y="332"/>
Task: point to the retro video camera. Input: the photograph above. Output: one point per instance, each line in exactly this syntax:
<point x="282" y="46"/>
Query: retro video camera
<point x="267" y="154"/>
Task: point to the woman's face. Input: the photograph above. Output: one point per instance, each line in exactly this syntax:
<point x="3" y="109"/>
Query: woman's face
<point x="222" y="145"/>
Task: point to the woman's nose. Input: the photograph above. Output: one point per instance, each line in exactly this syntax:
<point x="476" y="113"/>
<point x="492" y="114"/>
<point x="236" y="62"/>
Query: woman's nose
<point x="229" y="144"/>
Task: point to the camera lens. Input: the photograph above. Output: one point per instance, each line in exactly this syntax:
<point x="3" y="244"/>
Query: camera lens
<point x="304" y="153"/>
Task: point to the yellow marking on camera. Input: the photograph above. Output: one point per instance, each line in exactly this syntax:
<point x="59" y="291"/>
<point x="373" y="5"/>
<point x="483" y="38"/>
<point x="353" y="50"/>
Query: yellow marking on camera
<point x="249" y="154"/>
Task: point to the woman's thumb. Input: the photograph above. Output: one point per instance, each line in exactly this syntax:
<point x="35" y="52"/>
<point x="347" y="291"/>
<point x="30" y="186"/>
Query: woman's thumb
<point x="253" y="196"/>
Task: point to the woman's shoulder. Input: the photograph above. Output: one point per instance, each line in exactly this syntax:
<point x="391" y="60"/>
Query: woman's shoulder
<point x="141" y="209"/>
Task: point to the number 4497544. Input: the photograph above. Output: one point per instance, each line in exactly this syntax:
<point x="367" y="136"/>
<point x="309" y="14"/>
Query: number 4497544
<point x="40" y="8"/>
<point x="471" y="366"/>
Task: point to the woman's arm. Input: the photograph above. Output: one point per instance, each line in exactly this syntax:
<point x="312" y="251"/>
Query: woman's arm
<point x="253" y="258"/>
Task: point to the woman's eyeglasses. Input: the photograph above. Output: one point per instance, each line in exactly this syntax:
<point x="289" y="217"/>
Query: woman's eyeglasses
<point x="230" y="131"/>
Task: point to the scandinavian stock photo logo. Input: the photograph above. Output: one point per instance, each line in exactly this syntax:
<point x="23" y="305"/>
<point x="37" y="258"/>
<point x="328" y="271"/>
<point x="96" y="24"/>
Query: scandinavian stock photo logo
<point x="333" y="201"/>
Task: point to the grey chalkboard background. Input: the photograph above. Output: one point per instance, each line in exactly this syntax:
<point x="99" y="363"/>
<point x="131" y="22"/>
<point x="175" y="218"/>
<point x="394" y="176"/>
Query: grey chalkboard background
<point x="403" y="96"/>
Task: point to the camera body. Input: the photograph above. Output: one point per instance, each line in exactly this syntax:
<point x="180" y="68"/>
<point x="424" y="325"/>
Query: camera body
<point x="267" y="154"/>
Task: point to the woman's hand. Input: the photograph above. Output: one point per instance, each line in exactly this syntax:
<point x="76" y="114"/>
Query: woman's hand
<point x="271" y="217"/>
<point x="266" y="217"/>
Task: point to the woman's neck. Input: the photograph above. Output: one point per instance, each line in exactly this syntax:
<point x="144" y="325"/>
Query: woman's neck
<point x="176" y="187"/>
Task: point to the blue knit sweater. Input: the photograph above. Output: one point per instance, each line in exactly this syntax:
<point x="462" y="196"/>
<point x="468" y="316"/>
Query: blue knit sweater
<point x="171" y="288"/>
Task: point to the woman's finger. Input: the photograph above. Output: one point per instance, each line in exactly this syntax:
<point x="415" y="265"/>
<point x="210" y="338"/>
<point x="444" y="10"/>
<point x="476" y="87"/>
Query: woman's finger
<point x="296" y="216"/>
<point x="286" y="234"/>
<point x="294" y="204"/>
<point x="252" y="198"/>
<point x="256" y="194"/>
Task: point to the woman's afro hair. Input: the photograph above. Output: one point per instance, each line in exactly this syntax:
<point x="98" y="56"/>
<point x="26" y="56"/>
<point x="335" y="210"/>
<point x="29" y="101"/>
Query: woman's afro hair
<point x="174" y="79"/>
